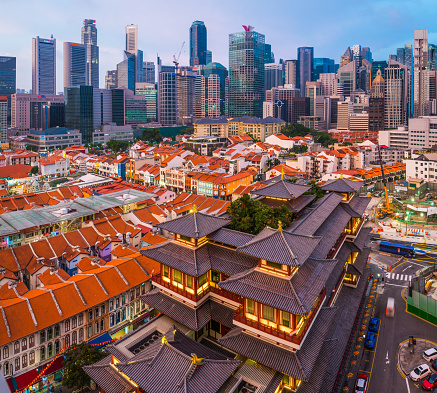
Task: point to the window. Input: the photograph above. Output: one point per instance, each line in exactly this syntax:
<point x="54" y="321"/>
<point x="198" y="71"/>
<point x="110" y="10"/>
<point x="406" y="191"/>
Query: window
<point x="111" y="320"/>
<point x="166" y="271"/>
<point x="251" y="307"/>
<point x="24" y="344"/>
<point x="74" y="338"/>
<point x="177" y="276"/>
<point x="17" y="364"/>
<point x="215" y="277"/>
<point x="73" y="322"/>
<point x="111" y="305"/>
<point x="137" y="292"/>
<point x="102" y="309"/>
<point x="42" y="336"/>
<point x="143" y="289"/>
<point x="90" y="315"/>
<point x="186" y="238"/>
<point x="298" y="318"/>
<point x="16" y="347"/>
<point x="24" y="360"/>
<point x="90" y="330"/>
<point x="215" y="326"/>
<point x="32" y="357"/>
<point x="285" y="319"/>
<point x="202" y="279"/>
<point x="123" y="299"/>
<point x="49" y="350"/>
<point x="274" y="265"/>
<point x="267" y="313"/>
<point x="67" y="325"/>
<point x="57" y="331"/>
<point x="67" y="341"/>
<point x="189" y="282"/>
<point x="96" y="327"/>
<point x="57" y="346"/>
<point x="102" y="324"/>
<point x="96" y="312"/>
<point x="6" y="369"/>
<point x="80" y="321"/>
<point x="49" y="334"/>
<point x="5" y="352"/>
<point x="42" y="353"/>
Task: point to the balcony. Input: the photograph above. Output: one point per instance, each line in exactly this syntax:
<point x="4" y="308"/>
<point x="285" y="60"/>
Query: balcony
<point x="337" y="245"/>
<point x="295" y="337"/>
<point x="193" y="297"/>
<point x="354" y="231"/>
<point x="226" y="294"/>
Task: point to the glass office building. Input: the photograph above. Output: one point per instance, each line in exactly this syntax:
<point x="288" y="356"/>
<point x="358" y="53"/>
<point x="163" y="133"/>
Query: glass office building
<point x="126" y="72"/>
<point x="43" y="65"/>
<point x="8" y="80"/>
<point x="198" y="43"/>
<point x="167" y="99"/>
<point x="246" y="73"/>
<point x="323" y="65"/>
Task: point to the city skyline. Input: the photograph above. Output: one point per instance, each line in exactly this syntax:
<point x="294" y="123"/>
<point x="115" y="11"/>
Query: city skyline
<point x="285" y="31"/>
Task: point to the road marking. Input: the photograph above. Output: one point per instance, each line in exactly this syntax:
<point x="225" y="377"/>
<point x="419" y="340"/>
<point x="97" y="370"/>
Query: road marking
<point x="407" y="268"/>
<point x="395" y="285"/>
<point x="415" y="263"/>
<point x="408" y="385"/>
<point x="402" y="277"/>
<point x="388" y="275"/>
<point x="386" y="359"/>
<point x="397" y="276"/>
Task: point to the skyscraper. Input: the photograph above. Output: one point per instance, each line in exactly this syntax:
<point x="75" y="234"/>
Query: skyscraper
<point x="396" y="93"/>
<point x="8" y="80"/>
<point x="185" y="87"/>
<point x="376" y="103"/>
<point x="126" y="72"/>
<point x="305" y="57"/>
<point x="149" y="72"/>
<point x="131" y="49"/>
<point x="79" y="110"/>
<point x="421" y="74"/>
<point x="3" y="118"/>
<point x="273" y="73"/>
<point x="111" y="79"/>
<point x="269" y="57"/>
<point x="89" y="38"/>
<point x="291" y="73"/>
<point x="198" y="43"/>
<point x="167" y="98"/>
<point x="347" y="78"/>
<point x="75" y="64"/>
<point x="323" y="65"/>
<point x="43" y="65"/>
<point x="404" y="55"/>
<point x="246" y="73"/>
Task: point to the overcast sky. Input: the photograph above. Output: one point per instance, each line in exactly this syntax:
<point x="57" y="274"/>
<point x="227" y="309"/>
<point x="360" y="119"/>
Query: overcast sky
<point x="328" y="26"/>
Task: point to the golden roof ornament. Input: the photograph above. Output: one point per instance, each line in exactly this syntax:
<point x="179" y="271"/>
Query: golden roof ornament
<point x="279" y="225"/>
<point x="164" y="340"/>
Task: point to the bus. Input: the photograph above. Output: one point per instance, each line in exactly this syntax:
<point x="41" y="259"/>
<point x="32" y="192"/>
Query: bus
<point x="396" y="248"/>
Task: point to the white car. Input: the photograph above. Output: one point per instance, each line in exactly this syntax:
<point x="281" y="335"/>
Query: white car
<point x="420" y="372"/>
<point x="430" y="354"/>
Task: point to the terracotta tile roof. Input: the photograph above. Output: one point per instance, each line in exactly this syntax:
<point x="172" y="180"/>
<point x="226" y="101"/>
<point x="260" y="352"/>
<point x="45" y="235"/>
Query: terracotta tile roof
<point x="153" y="239"/>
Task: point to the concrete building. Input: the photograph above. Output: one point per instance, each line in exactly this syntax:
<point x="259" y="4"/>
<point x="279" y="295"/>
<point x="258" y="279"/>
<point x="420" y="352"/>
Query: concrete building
<point x="312" y="90"/>
<point x="149" y="72"/>
<point x="273" y="75"/>
<point x="53" y="138"/>
<point x="3" y="118"/>
<point x="397" y="91"/>
<point x="347" y="79"/>
<point x="131" y="49"/>
<point x="421" y="74"/>
<point x="75" y="64"/>
<point x="291" y="73"/>
<point x="112" y="131"/>
<point x="27" y="110"/>
<point x="167" y="99"/>
<point x="186" y="98"/>
<point x="422" y="132"/>
<point x="423" y="166"/>
<point x="111" y="79"/>
<point x="89" y="39"/>
<point x="329" y="84"/>
<point x="305" y="58"/>
<point x="43" y="65"/>
<point x="396" y="139"/>
<point x="150" y="94"/>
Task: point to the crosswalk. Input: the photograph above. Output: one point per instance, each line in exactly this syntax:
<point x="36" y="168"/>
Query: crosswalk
<point x="398" y="276"/>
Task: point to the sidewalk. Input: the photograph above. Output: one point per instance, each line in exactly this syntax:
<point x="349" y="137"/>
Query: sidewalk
<point x="407" y="360"/>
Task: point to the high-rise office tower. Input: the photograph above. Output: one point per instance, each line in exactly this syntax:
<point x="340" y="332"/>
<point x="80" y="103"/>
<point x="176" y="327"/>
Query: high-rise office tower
<point x="89" y="38"/>
<point x="150" y="93"/>
<point x="246" y="73"/>
<point x="322" y="65"/>
<point x="376" y="103"/>
<point x="313" y="89"/>
<point x="111" y="79"/>
<point x="198" y="43"/>
<point x="75" y="64"/>
<point x="269" y="57"/>
<point x="329" y="84"/>
<point x="131" y="49"/>
<point x="396" y="93"/>
<point x="378" y="65"/>
<point x="43" y="65"/>
<point x="167" y="98"/>
<point x="347" y="78"/>
<point x="305" y="58"/>
<point x="421" y="74"/>
<point x="431" y="57"/>
<point x="148" y="72"/>
<point x="273" y="73"/>
<point x="291" y="73"/>
<point x="3" y="118"/>
<point x="8" y="80"/>
<point x="185" y="87"/>
<point x="208" y="57"/>
<point x="404" y="55"/>
<point x="126" y="72"/>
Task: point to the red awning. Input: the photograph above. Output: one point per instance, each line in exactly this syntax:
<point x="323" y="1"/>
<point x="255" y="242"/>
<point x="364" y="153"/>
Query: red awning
<point x="56" y="366"/>
<point x="144" y="229"/>
<point x="23" y="380"/>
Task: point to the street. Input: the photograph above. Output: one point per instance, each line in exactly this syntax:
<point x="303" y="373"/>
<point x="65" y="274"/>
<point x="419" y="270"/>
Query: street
<point x="381" y="364"/>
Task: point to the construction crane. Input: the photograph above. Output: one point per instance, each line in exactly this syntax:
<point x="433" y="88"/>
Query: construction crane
<point x="384" y="211"/>
<point x="176" y="59"/>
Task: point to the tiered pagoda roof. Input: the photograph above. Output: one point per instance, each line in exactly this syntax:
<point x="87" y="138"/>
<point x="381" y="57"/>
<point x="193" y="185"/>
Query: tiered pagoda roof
<point x="342" y="185"/>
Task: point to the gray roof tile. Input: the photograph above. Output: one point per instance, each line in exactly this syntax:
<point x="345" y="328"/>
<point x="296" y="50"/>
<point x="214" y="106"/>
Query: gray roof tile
<point x="281" y="247"/>
<point x="231" y="237"/>
<point x="282" y="189"/>
<point x="293" y="205"/>
<point x="195" y="225"/>
<point x="342" y="185"/>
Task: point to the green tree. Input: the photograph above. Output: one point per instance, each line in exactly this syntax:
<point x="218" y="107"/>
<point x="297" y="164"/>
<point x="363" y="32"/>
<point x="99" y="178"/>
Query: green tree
<point x="117" y="146"/>
<point x="75" y="359"/>
<point x="34" y="170"/>
<point x="151" y="135"/>
<point x="31" y="148"/>
<point x="251" y="216"/>
<point x="315" y="190"/>
<point x="300" y="149"/>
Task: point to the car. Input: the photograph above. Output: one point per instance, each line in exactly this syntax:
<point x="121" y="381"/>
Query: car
<point x="374" y="325"/>
<point x="420" y="372"/>
<point x="430" y="354"/>
<point x="370" y="340"/>
<point x="361" y="383"/>
<point x="430" y="383"/>
<point x="434" y="364"/>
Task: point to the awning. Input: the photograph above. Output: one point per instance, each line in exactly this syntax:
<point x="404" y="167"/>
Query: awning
<point x="101" y="340"/>
<point x="57" y="365"/>
<point x="119" y="327"/>
<point x="144" y="229"/>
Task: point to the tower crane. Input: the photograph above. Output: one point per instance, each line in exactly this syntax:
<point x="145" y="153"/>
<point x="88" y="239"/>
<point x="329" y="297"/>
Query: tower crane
<point x="385" y="211"/>
<point x="176" y="59"/>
